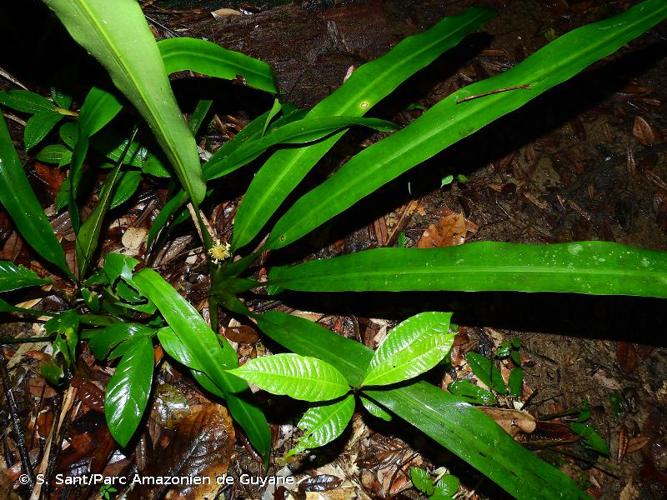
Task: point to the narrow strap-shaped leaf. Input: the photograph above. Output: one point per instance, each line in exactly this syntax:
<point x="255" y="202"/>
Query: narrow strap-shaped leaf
<point x="247" y="415"/>
<point x="322" y="424"/>
<point x="367" y="86"/>
<point x="210" y="59"/>
<point x="206" y="352"/>
<point x="298" y="132"/>
<point x="459" y="427"/>
<point x="21" y="203"/>
<point x="590" y="267"/>
<point x="25" y="101"/>
<point x="14" y="277"/>
<point x="299" y="377"/>
<point x="459" y="115"/>
<point x="127" y="186"/>
<point x="120" y="39"/>
<point x="128" y="390"/>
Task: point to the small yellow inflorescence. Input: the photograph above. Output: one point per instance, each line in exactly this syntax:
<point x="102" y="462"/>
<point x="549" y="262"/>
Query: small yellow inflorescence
<point x="219" y="252"/>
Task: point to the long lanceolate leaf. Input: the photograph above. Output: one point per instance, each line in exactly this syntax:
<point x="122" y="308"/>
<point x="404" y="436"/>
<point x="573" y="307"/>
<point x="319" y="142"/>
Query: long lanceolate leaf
<point x="458" y="426"/>
<point x="208" y="58"/>
<point x="21" y="203"/>
<point x="461" y="114"/>
<point x="367" y="86"/>
<point x="14" y="277"/>
<point x="201" y="349"/>
<point x="594" y="267"/>
<point x="117" y="35"/>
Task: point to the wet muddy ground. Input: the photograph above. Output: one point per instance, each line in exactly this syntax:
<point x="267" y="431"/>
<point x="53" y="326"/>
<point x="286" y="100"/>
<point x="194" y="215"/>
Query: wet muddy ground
<point x="586" y="161"/>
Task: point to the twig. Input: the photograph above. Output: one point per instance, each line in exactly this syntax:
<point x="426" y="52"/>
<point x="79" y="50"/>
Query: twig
<point x="25" y="340"/>
<point x="14" y="118"/>
<point x="14" y="413"/>
<point x="7" y="76"/>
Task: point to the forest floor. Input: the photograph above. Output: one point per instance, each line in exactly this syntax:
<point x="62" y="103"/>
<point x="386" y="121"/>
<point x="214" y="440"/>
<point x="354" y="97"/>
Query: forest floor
<point x="586" y="161"/>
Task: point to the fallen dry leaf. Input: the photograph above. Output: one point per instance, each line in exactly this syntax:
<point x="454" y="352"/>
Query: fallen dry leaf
<point x="512" y="421"/>
<point x="449" y="231"/>
<point x="646" y="133"/>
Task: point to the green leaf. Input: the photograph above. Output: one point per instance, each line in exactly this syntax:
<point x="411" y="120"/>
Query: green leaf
<point x="66" y="327"/>
<point x="56" y="154"/>
<point x="121" y="40"/>
<point x="457" y="116"/>
<point x="367" y="85"/>
<point x="299" y="377"/>
<point x="486" y="371"/>
<point x="204" y="351"/>
<point x="61" y="98"/>
<point x="199" y="115"/>
<point x="421" y="480"/>
<point x="591" y="437"/>
<point x="515" y="382"/>
<point x="472" y="393"/>
<point x="102" y="340"/>
<point x="208" y="58"/>
<point x="296" y="132"/>
<point x="38" y="127"/>
<point x="127" y="186"/>
<point x="415" y="346"/>
<point x="14" y="277"/>
<point x="459" y="427"/>
<point x="25" y="101"/>
<point x="594" y="267"/>
<point x="447" y="486"/>
<point x="375" y="410"/>
<point x="21" y="203"/>
<point x="88" y="236"/>
<point x="128" y="390"/>
<point x="117" y="265"/>
<point x="275" y="109"/>
<point x="322" y="424"/>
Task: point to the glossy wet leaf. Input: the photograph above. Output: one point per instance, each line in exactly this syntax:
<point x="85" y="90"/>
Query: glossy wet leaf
<point x="39" y="126"/>
<point x="102" y="340"/>
<point x="127" y="187"/>
<point x="458" y="426"/>
<point x="322" y="424"/>
<point x="65" y="328"/>
<point x="120" y="39"/>
<point x="459" y="115"/>
<point x="128" y="390"/>
<point x="299" y="377"/>
<point x="210" y="59"/>
<point x="515" y="382"/>
<point x="367" y="85"/>
<point x="375" y="410"/>
<point x="14" y="277"/>
<point x="56" y="154"/>
<point x="20" y="202"/>
<point x="486" y="371"/>
<point x="415" y="346"/>
<point x="447" y="485"/>
<point x="594" y="267"/>
<point x="206" y="352"/>
<point x="421" y="480"/>
<point x="472" y="393"/>
<point x="25" y="101"/>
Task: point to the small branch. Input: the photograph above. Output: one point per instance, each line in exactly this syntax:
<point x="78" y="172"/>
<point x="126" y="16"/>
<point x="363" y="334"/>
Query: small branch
<point x="492" y="92"/>
<point x="25" y="340"/>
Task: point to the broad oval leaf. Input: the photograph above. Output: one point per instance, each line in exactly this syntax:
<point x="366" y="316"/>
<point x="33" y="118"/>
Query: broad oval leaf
<point x="367" y="86"/>
<point x="591" y="267"/>
<point x="210" y="59"/>
<point x="128" y="390"/>
<point x="418" y="357"/>
<point x="375" y="410"/>
<point x="322" y="424"/>
<point x="101" y="341"/>
<point x="299" y="377"/>
<point x="120" y="39"/>
<point x="458" y="426"/>
<point x="38" y="127"/>
<point x="486" y="371"/>
<point x="14" y="277"/>
<point x="459" y="115"/>
<point x="56" y="154"/>
<point x="21" y="203"/>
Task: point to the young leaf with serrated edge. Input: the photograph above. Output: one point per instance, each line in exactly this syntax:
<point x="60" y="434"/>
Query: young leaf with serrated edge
<point x="322" y="424"/>
<point x="421" y="480"/>
<point x="299" y="377"/>
<point x="128" y="390"/>
<point x="412" y="348"/>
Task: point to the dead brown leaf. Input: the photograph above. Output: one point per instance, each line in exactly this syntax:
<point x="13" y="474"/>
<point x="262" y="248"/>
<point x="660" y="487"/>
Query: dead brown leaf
<point x="646" y="133"/>
<point x="449" y="231"/>
<point x="512" y="421"/>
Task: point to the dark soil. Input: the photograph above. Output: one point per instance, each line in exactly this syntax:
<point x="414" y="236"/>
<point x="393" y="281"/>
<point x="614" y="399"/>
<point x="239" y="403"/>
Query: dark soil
<point x="586" y="161"/>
